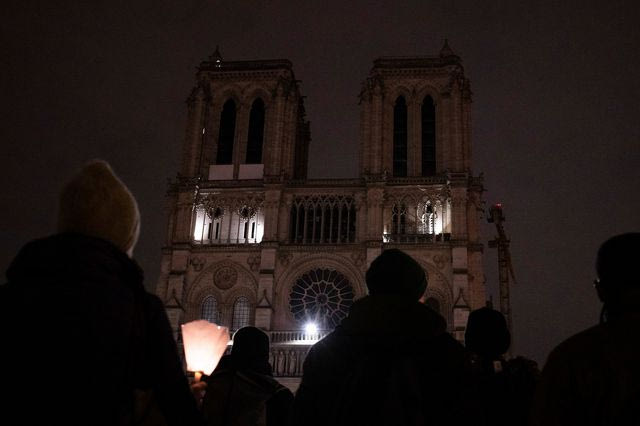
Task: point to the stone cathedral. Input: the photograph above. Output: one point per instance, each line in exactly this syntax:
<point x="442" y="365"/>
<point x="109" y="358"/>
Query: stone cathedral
<point x="252" y="241"/>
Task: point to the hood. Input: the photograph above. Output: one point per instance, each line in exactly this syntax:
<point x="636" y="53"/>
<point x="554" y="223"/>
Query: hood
<point x="66" y="258"/>
<point x="386" y="316"/>
<point x="231" y="362"/>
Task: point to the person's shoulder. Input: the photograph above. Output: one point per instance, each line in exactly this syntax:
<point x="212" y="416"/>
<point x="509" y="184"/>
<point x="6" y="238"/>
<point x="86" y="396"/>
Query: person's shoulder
<point x="580" y="343"/>
<point x="523" y="367"/>
<point x="152" y="300"/>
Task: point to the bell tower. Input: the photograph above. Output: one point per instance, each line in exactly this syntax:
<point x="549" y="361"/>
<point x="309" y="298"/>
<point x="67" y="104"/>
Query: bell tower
<point x="246" y="120"/>
<point x="415" y="116"/>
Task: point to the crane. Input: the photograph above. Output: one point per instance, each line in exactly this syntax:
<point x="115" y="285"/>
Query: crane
<point x="505" y="268"/>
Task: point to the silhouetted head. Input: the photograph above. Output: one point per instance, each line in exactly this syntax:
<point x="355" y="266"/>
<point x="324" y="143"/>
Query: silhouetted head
<point x="395" y="272"/>
<point x="250" y="346"/>
<point x="487" y="333"/>
<point x="95" y="202"/>
<point x="618" y="283"/>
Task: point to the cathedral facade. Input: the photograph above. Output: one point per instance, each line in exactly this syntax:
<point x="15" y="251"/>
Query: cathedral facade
<point x="252" y="241"/>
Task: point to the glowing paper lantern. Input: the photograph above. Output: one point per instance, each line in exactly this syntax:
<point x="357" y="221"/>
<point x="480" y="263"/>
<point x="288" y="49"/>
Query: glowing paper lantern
<point x="204" y="345"/>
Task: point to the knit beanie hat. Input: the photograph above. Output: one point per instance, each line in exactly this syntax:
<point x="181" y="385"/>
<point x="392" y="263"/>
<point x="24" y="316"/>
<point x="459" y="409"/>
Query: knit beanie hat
<point x="96" y="203"/>
<point x="395" y="272"/>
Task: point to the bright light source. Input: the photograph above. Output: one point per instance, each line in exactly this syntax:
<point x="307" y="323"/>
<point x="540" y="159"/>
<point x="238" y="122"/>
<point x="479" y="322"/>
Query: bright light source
<point x="311" y="328"/>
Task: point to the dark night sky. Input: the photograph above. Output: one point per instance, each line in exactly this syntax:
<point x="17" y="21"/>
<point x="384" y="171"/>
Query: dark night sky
<point x="556" y="114"/>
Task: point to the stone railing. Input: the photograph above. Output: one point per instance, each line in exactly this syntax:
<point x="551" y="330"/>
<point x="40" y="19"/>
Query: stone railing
<point x="415" y="238"/>
<point x="296" y="337"/>
<point x="289" y="349"/>
<point x="287" y="360"/>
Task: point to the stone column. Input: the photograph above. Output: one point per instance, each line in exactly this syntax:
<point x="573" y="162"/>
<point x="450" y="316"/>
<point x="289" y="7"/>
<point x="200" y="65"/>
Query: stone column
<point x="264" y="310"/>
<point x="375" y="203"/>
<point x="459" y="213"/>
<point x="377" y="132"/>
<point x="271" y="213"/>
<point x="274" y="164"/>
<point x="193" y="134"/>
<point x="284" y="216"/>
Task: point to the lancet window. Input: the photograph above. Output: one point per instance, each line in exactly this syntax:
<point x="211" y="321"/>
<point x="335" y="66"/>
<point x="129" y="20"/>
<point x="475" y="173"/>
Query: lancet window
<point x="209" y="310"/>
<point x="323" y="220"/>
<point x="411" y="220"/>
<point x="400" y="137"/>
<point x="241" y="313"/>
<point x="428" y="137"/>
<point x="228" y="221"/>
<point x="226" y="133"/>
<point x="256" y="133"/>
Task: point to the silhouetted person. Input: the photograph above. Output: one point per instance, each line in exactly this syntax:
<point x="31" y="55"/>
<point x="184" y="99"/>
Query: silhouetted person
<point x="242" y="391"/>
<point x="80" y="335"/>
<point x="504" y="389"/>
<point x="593" y="378"/>
<point x="390" y="362"/>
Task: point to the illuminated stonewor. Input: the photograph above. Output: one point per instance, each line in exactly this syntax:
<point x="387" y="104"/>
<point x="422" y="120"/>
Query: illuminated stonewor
<point x="251" y="240"/>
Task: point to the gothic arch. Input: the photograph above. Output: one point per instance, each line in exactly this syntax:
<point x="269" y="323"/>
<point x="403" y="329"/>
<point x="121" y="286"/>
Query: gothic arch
<point x="428" y="90"/>
<point x="253" y="92"/>
<point x="226" y="92"/>
<point x="440" y="288"/>
<point x="307" y="263"/>
<point x="396" y="92"/>
<point x="230" y="298"/>
<point x="203" y="285"/>
<point x="204" y="280"/>
<point x="194" y="302"/>
<point x="255" y="133"/>
<point x="231" y="295"/>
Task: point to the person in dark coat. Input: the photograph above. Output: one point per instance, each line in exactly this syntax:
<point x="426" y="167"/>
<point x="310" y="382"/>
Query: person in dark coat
<point x="504" y="388"/>
<point x="593" y="378"/>
<point x="82" y="340"/>
<point x="390" y="362"/>
<point x="242" y="391"/>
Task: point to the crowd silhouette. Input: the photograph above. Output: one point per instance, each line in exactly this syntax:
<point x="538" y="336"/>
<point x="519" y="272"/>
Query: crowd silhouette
<point x="85" y="344"/>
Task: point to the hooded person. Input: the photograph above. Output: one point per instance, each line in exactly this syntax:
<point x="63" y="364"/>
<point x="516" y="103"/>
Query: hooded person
<point x="507" y="384"/>
<point x="389" y="362"/>
<point x="593" y="378"/>
<point x="85" y="337"/>
<point x="241" y="391"/>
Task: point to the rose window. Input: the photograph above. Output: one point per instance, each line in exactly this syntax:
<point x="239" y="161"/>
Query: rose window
<point x="322" y="296"/>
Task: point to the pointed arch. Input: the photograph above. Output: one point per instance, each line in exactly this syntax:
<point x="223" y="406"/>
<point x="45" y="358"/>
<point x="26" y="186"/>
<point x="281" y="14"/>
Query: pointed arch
<point x="209" y="309"/>
<point x="226" y="133"/>
<point x="428" y="136"/>
<point x="400" y="137"/>
<point x="241" y="313"/>
<point x="256" y="132"/>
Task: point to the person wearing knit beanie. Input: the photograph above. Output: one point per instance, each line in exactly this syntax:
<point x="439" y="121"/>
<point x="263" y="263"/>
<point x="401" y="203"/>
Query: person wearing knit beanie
<point x="395" y="272"/>
<point x="95" y="202"/>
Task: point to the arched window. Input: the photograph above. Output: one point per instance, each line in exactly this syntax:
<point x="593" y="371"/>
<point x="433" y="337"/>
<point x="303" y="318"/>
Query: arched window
<point x="400" y="137"/>
<point x="433" y="303"/>
<point x="399" y="219"/>
<point x="428" y="137"/>
<point x="256" y="132"/>
<point x="227" y="132"/>
<point x="241" y="313"/>
<point x="323" y="219"/>
<point x="209" y="310"/>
